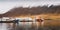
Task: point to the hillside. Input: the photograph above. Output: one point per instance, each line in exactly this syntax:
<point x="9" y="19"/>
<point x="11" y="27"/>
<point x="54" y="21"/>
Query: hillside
<point x="19" y="11"/>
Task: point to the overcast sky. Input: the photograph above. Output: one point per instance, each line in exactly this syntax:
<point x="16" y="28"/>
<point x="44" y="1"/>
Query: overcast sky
<point x="6" y="5"/>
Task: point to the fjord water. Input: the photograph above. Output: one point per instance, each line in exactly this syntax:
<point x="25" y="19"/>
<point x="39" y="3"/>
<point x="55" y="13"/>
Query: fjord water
<point x="46" y="25"/>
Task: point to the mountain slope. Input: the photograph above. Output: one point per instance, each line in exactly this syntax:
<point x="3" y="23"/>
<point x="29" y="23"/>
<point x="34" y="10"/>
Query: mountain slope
<point x="33" y="11"/>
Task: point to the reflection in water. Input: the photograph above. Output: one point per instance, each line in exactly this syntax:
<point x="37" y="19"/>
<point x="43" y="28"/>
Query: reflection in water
<point x="20" y="26"/>
<point x="46" y="25"/>
<point x="3" y="26"/>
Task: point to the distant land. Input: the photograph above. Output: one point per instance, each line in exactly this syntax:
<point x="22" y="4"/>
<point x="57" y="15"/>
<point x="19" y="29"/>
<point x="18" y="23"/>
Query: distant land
<point x="22" y="11"/>
<point x="51" y="12"/>
<point x="17" y="11"/>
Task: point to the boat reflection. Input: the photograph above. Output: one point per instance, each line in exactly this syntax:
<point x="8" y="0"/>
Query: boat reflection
<point x="20" y="26"/>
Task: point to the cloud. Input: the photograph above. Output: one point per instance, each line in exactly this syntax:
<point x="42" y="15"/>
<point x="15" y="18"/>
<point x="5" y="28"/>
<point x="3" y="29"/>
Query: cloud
<point x="6" y="5"/>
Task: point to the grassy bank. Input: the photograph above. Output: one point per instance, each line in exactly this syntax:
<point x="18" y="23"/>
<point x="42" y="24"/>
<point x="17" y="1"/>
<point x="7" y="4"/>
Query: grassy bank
<point x="45" y="16"/>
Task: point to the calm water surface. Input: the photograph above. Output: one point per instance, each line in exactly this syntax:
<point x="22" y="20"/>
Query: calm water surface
<point x="46" y="25"/>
